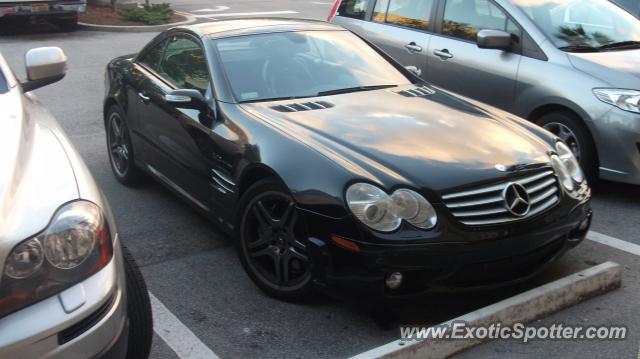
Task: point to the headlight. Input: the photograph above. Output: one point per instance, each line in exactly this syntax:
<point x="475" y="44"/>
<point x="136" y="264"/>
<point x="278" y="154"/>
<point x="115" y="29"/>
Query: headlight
<point x="383" y="212"/>
<point x="628" y="100"/>
<point x="570" y="162"/>
<point x="563" y="173"/>
<point x="75" y="245"/>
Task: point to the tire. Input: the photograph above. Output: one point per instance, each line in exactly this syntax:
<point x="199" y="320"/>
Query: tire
<point x="264" y="243"/>
<point x="66" y="25"/>
<point x="587" y="155"/>
<point x="121" y="149"/>
<point x="138" y="310"/>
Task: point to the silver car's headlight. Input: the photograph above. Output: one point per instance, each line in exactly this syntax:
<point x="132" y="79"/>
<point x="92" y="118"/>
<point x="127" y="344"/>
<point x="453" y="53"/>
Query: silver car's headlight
<point x="628" y="100"/>
<point x="75" y="245"/>
<point x="570" y="162"/>
<point x="383" y="212"/>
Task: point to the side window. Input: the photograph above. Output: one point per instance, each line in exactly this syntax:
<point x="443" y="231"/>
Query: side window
<point x="464" y="18"/>
<point x="355" y="9"/>
<point x="152" y="58"/>
<point x="408" y="13"/>
<point x="184" y="64"/>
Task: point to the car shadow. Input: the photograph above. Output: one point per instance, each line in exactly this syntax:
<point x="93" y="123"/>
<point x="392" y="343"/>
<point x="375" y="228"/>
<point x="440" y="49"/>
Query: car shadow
<point x="23" y="26"/>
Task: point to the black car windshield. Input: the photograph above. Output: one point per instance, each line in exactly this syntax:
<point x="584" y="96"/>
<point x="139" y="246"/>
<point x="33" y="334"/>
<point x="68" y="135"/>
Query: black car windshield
<point x="303" y="64"/>
<point x="583" y="25"/>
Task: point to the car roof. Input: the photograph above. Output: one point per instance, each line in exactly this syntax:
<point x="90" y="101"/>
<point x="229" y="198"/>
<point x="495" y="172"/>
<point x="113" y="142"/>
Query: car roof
<point x="240" y="27"/>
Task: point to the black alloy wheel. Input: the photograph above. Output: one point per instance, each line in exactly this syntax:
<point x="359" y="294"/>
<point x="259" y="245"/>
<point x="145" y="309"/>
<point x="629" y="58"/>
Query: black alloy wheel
<point x="120" y="148"/>
<point x="269" y="243"/>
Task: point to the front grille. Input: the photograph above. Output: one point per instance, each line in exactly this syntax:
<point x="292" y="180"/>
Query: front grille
<point x="486" y="205"/>
<point x="85" y="324"/>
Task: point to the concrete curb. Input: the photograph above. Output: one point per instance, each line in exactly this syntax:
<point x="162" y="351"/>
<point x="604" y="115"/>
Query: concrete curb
<point x="143" y="28"/>
<point x="522" y="308"/>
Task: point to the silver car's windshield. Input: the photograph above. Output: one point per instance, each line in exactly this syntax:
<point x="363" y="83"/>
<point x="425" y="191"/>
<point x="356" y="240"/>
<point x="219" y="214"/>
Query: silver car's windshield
<point x="303" y="64"/>
<point x="583" y="25"/>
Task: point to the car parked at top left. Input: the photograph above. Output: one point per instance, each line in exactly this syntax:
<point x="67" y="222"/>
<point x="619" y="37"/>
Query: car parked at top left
<point x="68" y="289"/>
<point x="62" y="13"/>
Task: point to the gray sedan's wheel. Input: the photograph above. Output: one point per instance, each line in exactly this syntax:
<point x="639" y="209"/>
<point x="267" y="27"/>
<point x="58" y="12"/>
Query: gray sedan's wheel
<point x="570" y="129"/>
<point x="269" y="243"/>
<point x="120" y="148"/>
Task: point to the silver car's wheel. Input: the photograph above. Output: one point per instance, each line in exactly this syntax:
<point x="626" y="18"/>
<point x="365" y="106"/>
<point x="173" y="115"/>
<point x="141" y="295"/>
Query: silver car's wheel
<point x="566" y="135"/>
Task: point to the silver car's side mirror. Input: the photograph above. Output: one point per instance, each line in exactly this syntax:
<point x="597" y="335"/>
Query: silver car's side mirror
<point x="44" y="66"/>
<point x="493" y="39"/>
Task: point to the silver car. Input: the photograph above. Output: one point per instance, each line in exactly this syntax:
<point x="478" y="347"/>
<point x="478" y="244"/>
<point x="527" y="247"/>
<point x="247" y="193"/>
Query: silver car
<point x="571" y="66"/>
<point x="68" y="289"/>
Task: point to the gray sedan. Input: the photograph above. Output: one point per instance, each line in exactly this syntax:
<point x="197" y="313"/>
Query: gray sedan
<point x="68" y="289"/>
<point x="569" y="66"/>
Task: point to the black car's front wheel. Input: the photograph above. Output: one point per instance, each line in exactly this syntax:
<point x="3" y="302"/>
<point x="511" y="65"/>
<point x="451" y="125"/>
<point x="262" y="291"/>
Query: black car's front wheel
<point x="121" y="149"/>
<point x="270" y="246"/>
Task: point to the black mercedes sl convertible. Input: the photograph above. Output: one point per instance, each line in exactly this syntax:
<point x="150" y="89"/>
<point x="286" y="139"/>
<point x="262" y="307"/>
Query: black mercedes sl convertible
<point x="336" y="168"/>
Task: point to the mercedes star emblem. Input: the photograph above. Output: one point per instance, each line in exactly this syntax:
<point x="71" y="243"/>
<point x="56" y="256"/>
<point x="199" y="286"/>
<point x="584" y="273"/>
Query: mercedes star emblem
<point x="516" y="199"/>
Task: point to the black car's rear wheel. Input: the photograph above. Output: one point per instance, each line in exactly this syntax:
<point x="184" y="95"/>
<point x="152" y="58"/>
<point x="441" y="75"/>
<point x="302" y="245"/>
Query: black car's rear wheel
<point x="120" y="148"/>
<point x="269" y="243"/>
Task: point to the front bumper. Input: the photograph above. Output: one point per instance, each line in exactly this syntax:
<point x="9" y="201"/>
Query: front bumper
<point x="97" y="328"/>
<point x="617" y="137"/>
<point x="454" y="260"/>
<point x="43" y="9"/>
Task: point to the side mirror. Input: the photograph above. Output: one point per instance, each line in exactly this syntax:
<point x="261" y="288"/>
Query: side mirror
<point x="493" y="39"/>
<point x="414" y="70"/>
<point x="187" y="99"/>
<point x="44" y="65"/>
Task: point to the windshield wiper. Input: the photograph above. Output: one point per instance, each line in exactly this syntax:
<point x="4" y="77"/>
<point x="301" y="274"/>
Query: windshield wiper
<point x="621" y="45"/>
<point x="275" y="98"/>
<point x="354" y="89"/>
<point x="579" y="48"/>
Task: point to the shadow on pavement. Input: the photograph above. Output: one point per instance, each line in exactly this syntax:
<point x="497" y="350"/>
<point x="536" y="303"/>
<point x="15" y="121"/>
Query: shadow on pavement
<point x="23" y="26"/>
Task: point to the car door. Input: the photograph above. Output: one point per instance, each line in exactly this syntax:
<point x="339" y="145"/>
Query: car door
<point x="457" y="64"/>
<point x="175" y="135"/>
<point x="402" y="28"/>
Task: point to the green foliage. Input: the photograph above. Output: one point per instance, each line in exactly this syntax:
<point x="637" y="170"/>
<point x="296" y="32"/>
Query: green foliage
<point x="152" y="14"/>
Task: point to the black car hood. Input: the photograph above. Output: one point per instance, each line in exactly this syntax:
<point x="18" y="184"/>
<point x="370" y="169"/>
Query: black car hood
<point x="438" y="141"/>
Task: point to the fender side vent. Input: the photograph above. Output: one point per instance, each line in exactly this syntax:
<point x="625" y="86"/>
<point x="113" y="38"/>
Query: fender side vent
<point x="417" y="92"/>
<point x="303" y="106"/>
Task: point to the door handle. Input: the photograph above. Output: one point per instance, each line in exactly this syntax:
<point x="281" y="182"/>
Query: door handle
<point x="443" y="54"/>
<point x="412" y="47"/>
<point x="143" y="97"/>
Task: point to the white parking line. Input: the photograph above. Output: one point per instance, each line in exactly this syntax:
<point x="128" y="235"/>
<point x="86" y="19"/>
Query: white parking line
<point x="177" y="336"/>
<point x="614" y="242"/>
<point x="260" y="13"/>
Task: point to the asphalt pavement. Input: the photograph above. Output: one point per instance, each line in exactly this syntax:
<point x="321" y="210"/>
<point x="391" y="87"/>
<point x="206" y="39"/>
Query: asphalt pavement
<point x="192" y="269"/>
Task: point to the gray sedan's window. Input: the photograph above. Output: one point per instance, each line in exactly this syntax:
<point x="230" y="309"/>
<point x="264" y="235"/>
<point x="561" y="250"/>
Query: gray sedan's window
<point x="407" y="13"/>
<point x="464" y="18"/>
<point x="302" y="64"/>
